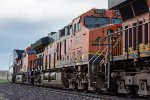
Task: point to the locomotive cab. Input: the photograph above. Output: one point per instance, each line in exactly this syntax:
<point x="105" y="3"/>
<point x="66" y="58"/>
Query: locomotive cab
<point x="19" y="65"/>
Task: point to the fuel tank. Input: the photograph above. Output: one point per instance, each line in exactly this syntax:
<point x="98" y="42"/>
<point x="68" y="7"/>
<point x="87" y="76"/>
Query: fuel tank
<point x="49" y="76"/>
<point x="56" y="79"/>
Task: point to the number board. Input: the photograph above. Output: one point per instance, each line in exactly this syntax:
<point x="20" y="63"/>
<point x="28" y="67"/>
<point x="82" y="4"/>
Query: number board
<point x="100" y="11"/>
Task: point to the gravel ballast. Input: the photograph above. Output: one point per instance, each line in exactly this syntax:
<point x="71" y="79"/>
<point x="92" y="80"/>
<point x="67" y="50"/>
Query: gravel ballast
<point x="9" y="91"/>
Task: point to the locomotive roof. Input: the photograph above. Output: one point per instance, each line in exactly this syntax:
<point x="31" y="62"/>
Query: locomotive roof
<point x="116" y="4"/>
<point x="129" y="8"/>
<point x="65" y="26"/>
<point x="87" y="12"/>
<point x="41" y="42"/>
<point x="18" y="53"/>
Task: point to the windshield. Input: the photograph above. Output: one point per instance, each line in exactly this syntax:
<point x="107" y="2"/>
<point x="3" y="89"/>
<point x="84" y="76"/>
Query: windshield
<point x="116" y="21"/>
<point x="94" y="22"/>
<point x="31" y="52"/>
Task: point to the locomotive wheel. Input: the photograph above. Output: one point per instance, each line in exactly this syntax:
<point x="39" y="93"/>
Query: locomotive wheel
<point x="75" y="86"/>
<point x="113" y="92"/>
<point x="129" y="95"/>
<point x="147" y="97"/>
<point x="35" y="83"/>
<point x="132" y="93"/>
<point x="86" y="88"/>
<point x="97" y="90"/>
<point x="32" y="82"/>
<point x="86" y="91"/>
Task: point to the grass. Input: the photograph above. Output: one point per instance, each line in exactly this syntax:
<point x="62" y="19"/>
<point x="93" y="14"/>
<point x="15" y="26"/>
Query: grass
<point x="3" y="81"/>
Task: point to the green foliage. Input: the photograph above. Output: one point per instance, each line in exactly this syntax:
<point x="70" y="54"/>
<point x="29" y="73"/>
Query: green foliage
<point x="3" y="81"/>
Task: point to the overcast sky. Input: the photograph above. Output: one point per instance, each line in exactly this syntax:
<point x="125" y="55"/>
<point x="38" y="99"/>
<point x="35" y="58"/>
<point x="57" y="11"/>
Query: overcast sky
<point x="22" y="22"/>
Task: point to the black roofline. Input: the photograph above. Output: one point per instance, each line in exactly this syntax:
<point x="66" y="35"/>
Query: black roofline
<point x="119" y="5"/>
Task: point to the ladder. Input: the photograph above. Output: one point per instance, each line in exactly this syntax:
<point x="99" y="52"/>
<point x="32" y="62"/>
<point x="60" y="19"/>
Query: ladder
<point x="107" y="63"/>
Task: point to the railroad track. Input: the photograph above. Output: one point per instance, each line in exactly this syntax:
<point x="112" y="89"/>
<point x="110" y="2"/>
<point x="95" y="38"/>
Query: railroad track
<point x="25" y="92"/>
<point x="90" y="96"/>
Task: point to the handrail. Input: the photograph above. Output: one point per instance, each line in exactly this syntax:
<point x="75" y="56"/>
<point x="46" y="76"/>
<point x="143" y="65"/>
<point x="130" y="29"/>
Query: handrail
<point x="111" y="50"/>
<point x="99" y="55"/>
<point x="103" y="58"/>
<point x="99" y="49"/>
<point x="95" y="53"/>
<point x="129" y="28"/>
<point x="108" y="46"/>
<point x="107" y="77"/>
<point x="103" y="51"/>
